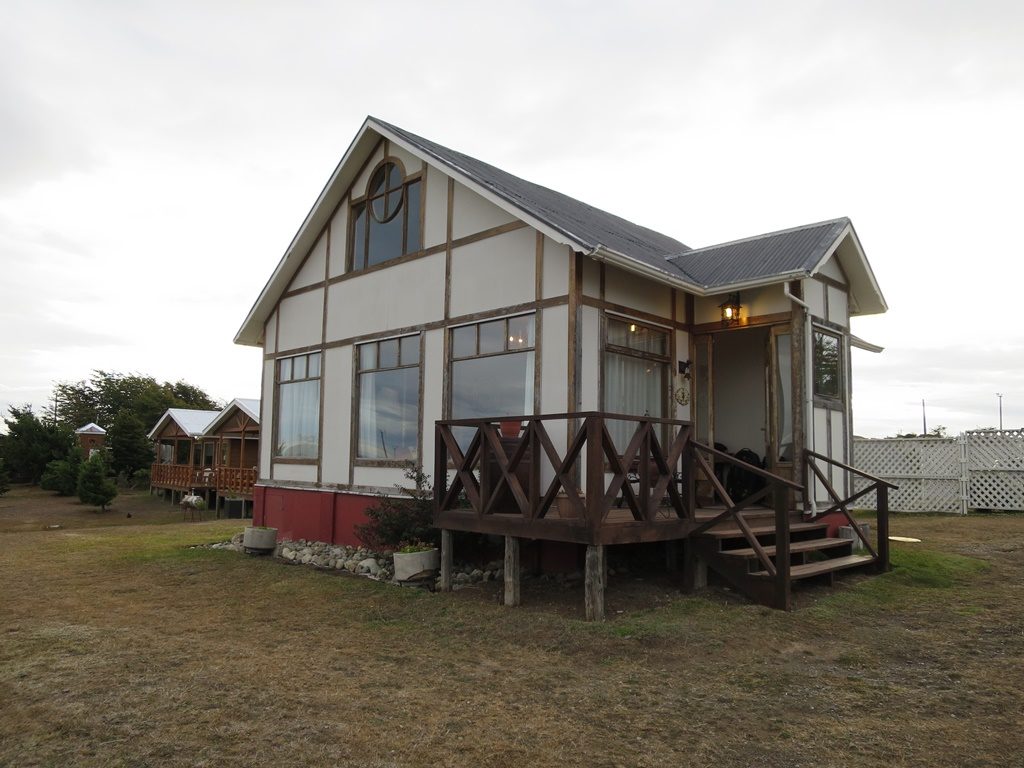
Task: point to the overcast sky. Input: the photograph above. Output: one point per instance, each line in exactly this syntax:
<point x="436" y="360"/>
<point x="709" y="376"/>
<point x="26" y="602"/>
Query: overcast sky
<point x="157" y="157"/>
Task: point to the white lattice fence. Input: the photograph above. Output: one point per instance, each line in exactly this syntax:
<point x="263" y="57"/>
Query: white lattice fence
<point x="982" y="469"/>
<point x="927" y="470"/>
<point x="995" y="463"/>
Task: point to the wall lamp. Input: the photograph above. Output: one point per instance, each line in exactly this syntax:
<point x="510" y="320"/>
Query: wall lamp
<point x="731" y="310"/>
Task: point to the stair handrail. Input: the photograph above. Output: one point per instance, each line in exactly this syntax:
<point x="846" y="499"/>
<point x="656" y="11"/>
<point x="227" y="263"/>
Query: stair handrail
<point x="877" y="484"/>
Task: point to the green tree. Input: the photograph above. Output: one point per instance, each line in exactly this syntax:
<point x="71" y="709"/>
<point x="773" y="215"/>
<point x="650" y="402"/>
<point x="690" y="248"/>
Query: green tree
<point x="31" y="444"/>
<point x="5" y="479"/>
<point x="94" y="488"/>
<point x="61" y="475"/>
<point x="130" y="449"/>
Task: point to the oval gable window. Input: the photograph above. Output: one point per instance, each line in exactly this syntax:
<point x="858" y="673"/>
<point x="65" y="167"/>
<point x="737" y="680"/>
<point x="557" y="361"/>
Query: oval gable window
<point x="386" y="192"/>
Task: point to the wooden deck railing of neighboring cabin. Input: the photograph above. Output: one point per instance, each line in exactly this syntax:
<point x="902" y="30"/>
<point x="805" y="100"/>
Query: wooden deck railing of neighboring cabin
<point x="839" y="504"/>
<point x="226" y="480"/>
<point x="499" y="487"/>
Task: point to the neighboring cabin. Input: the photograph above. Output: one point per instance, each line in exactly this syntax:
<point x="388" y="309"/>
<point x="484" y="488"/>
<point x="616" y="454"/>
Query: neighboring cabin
<point x="210" y="453"/>
<point x="426" y="285"/>
<point x="91" y="438"/>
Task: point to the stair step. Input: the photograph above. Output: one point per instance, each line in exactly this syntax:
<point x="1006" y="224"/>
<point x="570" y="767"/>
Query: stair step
<point x="823" y="566"/>
<point x="761" y="530"/>
<point x="809" y="545"/>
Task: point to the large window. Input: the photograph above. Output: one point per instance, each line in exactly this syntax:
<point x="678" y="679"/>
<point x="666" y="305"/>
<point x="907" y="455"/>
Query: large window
<point x="386" y="223"/>
<point x="636" y="374"/>
<point x="298" y="407"/>
<point x="827" y="366"/>
<point x="492" y="368"/>
<point x="389" y="399"/>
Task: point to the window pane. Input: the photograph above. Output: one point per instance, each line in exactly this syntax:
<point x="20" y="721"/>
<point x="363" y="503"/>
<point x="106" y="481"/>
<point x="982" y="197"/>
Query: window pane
<point x="410" y="350"/>
<point x="299" y="367"/>
<point x="618" y="333"/>
<point x="378" y="207"/>
<point x="624" y="333"/>
<point x="285" y="372"/>
<point x="413" y="240"/>
<point x="394" y="201"/>
<point x="492" y="337"/>
<point x="394" y="176"/>
<point x="520" y="332"/>
<point x="385" y="241"/>
<point x="298" y="429"/>
<point x="313" y="370"/>
<point x="826" y="365"/>
<point x="464" y="341"/>
<point x="359" y="237"/>
<point x="377" y="182"/>
<point x="367" y="356"/>
<point x="388" y="354"/>
<point x="493" y="386"/>
<point x="389" y="414"/>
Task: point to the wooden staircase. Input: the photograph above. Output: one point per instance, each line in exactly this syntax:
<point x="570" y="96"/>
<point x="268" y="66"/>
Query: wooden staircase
<point x="730" y="551"/>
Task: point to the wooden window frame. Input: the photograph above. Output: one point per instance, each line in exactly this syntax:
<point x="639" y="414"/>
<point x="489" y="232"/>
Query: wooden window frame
<point x="275" y="458"/>
<point x="404" y="211"/>
<point x="360" y="461"/>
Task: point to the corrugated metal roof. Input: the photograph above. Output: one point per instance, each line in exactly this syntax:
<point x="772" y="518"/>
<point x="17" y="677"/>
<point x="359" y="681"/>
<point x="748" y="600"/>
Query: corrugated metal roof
<point x="249" y="406"/>
<point x="192" y="422"/>
<point x="585" y="224"/>
<point x="797" y="250"/>
<point x="92" y="428"/>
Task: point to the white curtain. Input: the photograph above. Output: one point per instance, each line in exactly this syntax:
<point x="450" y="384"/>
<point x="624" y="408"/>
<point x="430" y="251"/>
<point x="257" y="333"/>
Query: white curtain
<point x="298" y="429"/>
<point x="634" y="386"/>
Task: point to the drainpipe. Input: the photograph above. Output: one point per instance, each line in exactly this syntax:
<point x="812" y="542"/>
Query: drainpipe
<point x="808" y="391"/>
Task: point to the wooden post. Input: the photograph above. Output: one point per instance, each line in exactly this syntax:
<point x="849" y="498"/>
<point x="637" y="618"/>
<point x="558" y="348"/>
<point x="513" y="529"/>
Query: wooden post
<point x="782" y="580"/>
<point x="672" y="555"/>
<point x="695" y="570"/>
<point x="446" y="560"/>
<point x="511" y="571"/>
<point x="882" y="523"/>
<point x="593" y="583"/>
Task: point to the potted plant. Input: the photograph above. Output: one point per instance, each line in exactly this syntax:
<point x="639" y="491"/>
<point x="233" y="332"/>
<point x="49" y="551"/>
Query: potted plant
<point x="259" y="540"/>
<point x="510" y="428"/>
<point x="414" y="559"/>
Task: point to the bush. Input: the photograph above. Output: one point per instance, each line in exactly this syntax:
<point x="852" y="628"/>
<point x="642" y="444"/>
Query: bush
<point x="93" y="486"/>
<point x="5" y="479"/>
<point x="62" y="475"/>
<point x="395" y="522"/>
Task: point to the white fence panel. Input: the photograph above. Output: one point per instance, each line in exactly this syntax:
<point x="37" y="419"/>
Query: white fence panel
<point x="981" y="469"/>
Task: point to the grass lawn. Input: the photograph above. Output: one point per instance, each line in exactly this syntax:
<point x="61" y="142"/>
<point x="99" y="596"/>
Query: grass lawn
<point x="120" y="646"/>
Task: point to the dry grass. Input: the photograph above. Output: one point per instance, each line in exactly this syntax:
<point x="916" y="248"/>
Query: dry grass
<point x="122" y="647"/>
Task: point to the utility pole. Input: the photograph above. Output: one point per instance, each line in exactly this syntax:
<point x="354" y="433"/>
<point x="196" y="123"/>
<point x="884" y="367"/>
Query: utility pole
<point x="924" y="420"/>
<point x="1000" y="396"/>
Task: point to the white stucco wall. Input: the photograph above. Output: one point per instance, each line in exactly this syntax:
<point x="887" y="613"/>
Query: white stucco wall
<point x="472" y="213"/>
<point x="270" y="333"/>
<point x="838" y="306"/>
<point x="339" y="239"/>
<point x="590" y="358"/>
<point x="335" y="436"/>
<point x="295" y="473"/>
<point x="266" y="419"/>
<point x="387" y="299"/>
<point x="554" y="361"/>
<point x="556" y="268"/>
<point x="435" y="225"/>
<point x="301" y="320"/>
<point x="814" y="295"/>
<point x="495" y="272"/>
<point x="315" y="266"/>
<point x="629" y="290"/>
<point x="832" y="269"/>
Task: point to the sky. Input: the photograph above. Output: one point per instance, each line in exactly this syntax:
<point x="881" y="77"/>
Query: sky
<point x="156" y="159"/>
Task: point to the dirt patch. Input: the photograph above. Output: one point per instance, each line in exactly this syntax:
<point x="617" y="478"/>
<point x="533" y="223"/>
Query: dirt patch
<point x="121" y="646"/>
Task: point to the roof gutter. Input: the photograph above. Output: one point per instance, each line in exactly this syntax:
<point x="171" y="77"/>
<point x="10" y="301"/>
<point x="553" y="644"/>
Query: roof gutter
<point x="621" y="261"/>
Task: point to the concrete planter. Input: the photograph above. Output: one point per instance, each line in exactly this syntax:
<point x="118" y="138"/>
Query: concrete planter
<point x="259" y="541"/>
<point x="410" y="564"/>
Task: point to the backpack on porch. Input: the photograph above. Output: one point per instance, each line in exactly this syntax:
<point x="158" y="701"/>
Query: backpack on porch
<point x="741" y="483"/>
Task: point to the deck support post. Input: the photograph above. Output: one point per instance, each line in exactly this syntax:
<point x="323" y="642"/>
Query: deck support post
<point x="882" y="524"/>
<point x="594" y="582"/>
<point x="695" y="569"/>
<point x="511" y="571"/>
<point x="446" y="560"/>
<point x="783" y="583"/>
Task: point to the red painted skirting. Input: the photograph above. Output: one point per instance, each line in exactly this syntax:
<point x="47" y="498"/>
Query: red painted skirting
<point x="312" y="515"/>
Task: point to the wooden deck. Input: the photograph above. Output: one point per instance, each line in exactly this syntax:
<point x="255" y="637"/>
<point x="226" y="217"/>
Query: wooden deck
<point x="660" y="486"/>
<point x="226" y="481"/>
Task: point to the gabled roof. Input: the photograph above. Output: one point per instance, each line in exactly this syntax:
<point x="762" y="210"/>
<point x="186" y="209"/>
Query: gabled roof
<point x="91" y="429"/>
<point x="192" y="422"/>
<point x="249" y="406"/>
<point x="760" y="260"/>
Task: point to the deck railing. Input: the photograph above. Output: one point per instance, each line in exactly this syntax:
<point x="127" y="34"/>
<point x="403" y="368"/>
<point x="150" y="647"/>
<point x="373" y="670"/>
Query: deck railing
<point x="236" y="481"/>
<point x="593" y="492"/>
<point x="840" y="504"/>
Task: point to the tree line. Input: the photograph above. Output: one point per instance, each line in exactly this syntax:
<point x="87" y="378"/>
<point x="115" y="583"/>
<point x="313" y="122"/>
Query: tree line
<point x="40" y="448"/>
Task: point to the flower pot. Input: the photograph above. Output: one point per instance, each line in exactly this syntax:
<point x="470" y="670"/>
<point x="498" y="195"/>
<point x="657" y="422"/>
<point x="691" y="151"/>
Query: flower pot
<point x="259" y="541"/>
<point x="510" y="428"/>
<point x="410" y="564"/>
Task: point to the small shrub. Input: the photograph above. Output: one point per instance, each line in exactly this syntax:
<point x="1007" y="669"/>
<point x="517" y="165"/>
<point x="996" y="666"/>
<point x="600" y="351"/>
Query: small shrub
<point x="93" y="486"/>
<point x="394" y="522"/>
<point x="61" y="475"/>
